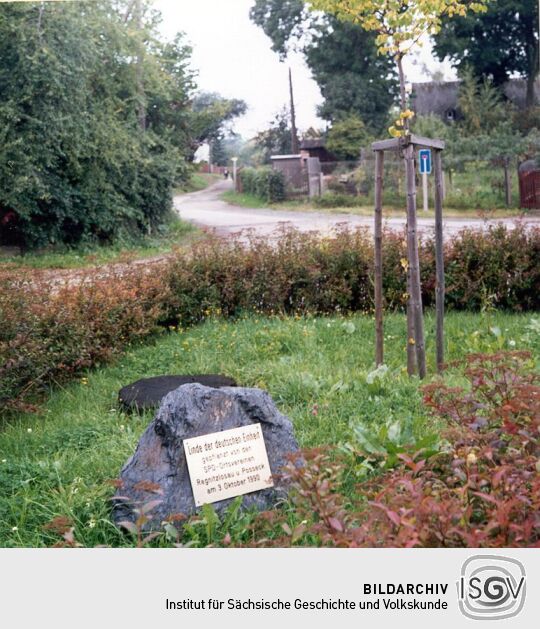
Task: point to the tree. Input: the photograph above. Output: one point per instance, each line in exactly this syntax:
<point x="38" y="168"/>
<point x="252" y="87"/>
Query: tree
<point x="218" y="152"/>
<point x="211" y="113"/>
<point x="75" y="162"/>
<point x="276" y="140"/>
<point x="342" y="57"/>
<point x="399" y="25"/>
<point x="347" y="137"/>
<point x="480" y="105"/>
<point x="495" y="44"/>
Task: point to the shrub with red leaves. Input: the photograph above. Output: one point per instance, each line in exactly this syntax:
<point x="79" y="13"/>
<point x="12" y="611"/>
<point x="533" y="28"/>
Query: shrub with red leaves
<point x="482" y="490"/>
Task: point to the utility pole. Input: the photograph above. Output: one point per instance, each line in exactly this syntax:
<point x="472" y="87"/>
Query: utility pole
<point x="294" y="135"/>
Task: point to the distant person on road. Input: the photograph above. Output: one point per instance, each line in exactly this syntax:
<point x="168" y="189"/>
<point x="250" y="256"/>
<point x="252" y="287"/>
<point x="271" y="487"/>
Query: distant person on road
<point x="226" y="173"/>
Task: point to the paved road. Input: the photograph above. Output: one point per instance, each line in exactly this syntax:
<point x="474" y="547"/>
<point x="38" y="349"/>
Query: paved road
<point x="206" y="209"/>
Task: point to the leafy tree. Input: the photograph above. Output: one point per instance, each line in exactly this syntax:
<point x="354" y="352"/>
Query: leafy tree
<point x="97" y="120"/>
<point x="398" y="24"/>
<point x="480" y="105"/>
<point x="74" y="162"/>
<point x="218" y="152"/>
<point x="347" y="137"/>
<point x="495" y="44"/>
<point x="276" y="140"/>
<point x="341" y="56"/>
<point x="211" y="114"/>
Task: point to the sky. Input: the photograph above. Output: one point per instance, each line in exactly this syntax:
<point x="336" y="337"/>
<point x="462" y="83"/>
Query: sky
<point x="234" y="57"/>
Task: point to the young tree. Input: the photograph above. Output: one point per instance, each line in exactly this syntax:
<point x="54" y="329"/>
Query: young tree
<point x="276" y="140"/>
<point x="399" y="26"/>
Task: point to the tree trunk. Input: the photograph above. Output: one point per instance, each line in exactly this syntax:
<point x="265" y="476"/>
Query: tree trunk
<point x="415" y="324"/>
<point x="414" y="264"/>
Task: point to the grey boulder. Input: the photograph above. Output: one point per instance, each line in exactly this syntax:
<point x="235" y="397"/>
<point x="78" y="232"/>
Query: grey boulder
<point x="158" y="469"/>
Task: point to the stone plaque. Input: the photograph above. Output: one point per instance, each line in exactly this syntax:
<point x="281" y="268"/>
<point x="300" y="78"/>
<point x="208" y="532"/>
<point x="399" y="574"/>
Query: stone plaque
<point x="227" y="464"/>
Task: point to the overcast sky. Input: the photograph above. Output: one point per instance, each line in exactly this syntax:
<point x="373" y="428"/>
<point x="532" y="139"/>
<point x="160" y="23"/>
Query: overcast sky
<point x="234" y="57"/>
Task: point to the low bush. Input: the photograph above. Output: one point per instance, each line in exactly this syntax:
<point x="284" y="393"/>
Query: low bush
<point x="266" y="183"/>
<point x="51" y="331"/>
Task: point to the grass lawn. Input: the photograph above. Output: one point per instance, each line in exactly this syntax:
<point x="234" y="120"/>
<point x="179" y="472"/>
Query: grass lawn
<point x="302" y="205"/>
<point x="198" y="181"/>
<point x="57" y="463"/>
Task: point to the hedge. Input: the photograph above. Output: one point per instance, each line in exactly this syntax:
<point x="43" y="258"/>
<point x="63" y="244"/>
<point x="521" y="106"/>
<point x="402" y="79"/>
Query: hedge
<point x="51" y="333"/>
<point x="265" y="183"/>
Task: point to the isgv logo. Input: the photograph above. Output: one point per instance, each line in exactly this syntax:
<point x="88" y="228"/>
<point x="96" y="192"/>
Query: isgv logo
<point x="491" y="587"/>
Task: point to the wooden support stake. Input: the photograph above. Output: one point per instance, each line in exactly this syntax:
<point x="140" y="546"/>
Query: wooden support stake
<point x="439" y="260"/>
<point x="379" y="333"/>
<point x="411" y="352"/>
<point x="414" y="263"/>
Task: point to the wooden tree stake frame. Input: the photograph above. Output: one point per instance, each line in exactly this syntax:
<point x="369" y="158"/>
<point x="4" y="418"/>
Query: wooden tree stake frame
<point x="416" y="352"/>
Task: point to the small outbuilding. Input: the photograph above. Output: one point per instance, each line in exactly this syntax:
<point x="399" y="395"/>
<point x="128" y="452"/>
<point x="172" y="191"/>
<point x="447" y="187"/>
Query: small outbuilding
<point x="529" y="185"/>
<point x="316" y="148"/>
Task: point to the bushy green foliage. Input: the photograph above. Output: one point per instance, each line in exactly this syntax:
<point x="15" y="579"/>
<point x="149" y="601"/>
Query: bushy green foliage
<point x="266" y="183"/>
<point x="347" y="137"/>
<point x="74" y="163"/>
<point x="98" y="121"/>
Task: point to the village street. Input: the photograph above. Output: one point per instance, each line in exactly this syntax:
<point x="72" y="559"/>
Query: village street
<point x="207" y="209"/>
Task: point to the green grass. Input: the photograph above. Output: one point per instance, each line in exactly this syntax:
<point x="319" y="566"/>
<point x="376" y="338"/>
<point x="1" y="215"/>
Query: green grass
<point x="246" y="200"/>
<point x="57" y="463"/>
<point x="390" y="210"/>
<point x="197" y="182"/>
<point x="176" y="233"/>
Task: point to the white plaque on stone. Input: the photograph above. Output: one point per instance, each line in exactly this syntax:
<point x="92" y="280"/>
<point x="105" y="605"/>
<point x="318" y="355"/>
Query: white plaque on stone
<point x="227" y="464"/>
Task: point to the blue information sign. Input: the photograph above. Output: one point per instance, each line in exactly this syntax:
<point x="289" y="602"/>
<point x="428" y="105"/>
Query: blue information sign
<point x="424" y="156"/>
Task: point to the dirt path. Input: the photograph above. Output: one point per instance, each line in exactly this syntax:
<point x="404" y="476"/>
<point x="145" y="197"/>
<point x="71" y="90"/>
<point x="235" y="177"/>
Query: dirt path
<point x="206" y="209"/>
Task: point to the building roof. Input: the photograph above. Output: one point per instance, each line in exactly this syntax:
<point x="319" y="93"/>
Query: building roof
<point x="285" y="157"/>
<point x="316" y="143"/>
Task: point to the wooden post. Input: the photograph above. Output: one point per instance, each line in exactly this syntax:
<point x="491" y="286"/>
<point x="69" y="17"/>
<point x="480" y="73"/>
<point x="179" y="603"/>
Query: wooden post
<point x="414" y="262"/>
<point x="379" y="334"/>
<point x="411" y="352"/>
<point x="439" y="260"/>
